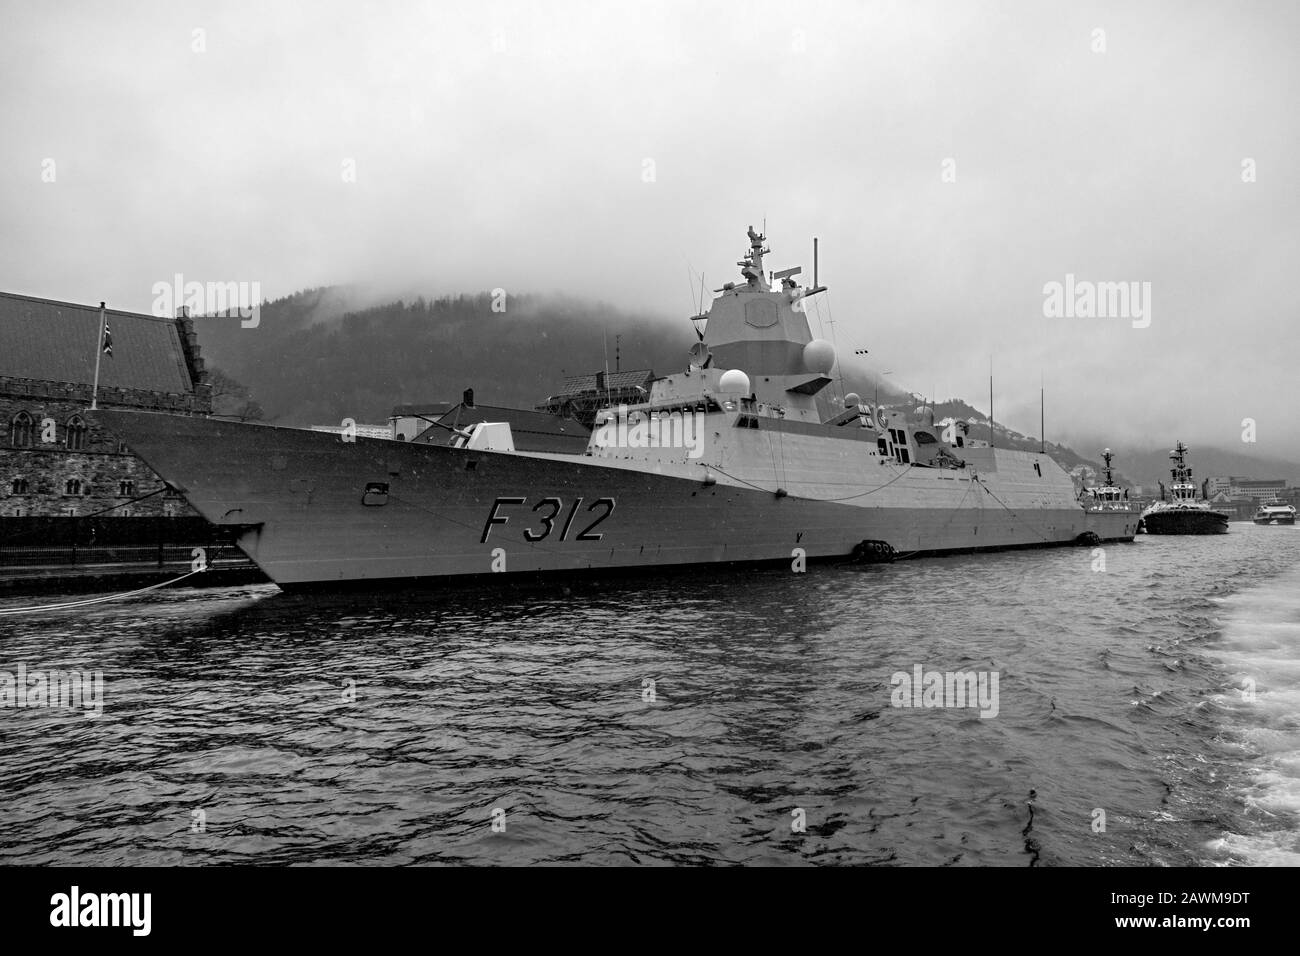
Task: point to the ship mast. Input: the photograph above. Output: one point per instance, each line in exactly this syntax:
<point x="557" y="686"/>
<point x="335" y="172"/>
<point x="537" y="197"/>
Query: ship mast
<point x="1181" y="472"/>
<point x="1106" y="457"/>
<point x="751" y="267"/>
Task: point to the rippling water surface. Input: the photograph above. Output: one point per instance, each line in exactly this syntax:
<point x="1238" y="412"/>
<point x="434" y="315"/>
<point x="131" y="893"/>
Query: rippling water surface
<point x="1162" y="692"/>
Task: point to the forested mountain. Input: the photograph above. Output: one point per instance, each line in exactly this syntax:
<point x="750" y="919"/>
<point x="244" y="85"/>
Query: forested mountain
<point x="319" y="356"/>
<point x="315" y="358"/>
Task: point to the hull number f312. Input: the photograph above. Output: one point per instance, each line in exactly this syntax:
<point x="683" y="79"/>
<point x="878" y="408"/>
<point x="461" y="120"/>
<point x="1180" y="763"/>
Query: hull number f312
<point x="547" y="512"/>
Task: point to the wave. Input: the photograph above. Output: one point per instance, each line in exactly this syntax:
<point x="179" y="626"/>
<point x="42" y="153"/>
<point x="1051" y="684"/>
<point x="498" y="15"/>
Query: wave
<point x="1260" y="651"/>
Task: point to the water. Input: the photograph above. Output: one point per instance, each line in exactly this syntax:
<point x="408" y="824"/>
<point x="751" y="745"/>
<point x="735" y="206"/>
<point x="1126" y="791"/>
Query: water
<point x="1120" y="691"/>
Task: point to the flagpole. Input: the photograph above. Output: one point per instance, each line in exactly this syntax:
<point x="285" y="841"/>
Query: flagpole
<point x="99" y="354"/>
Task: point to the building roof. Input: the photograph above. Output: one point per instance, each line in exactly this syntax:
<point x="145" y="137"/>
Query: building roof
<point x="578" y="384"/>
<point x="51" y="341"/>
<point x="410" y="411"/>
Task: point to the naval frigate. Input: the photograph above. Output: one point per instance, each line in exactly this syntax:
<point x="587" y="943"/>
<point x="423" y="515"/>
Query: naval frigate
<point x="727" y="461"/>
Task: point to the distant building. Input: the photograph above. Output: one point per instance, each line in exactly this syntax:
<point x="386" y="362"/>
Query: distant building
<point x="1265" y="488"/>
<point x="1237" y="508"/>
<point x="1220" y="486"/>
<point x="1237" y="487"/>
<point x="581" y="396"/>
<point x="54" y="460"/>
<point x="407" y="421"/>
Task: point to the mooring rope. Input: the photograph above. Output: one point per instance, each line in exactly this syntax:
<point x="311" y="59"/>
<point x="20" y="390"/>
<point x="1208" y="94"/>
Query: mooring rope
<point x="98" y="600"/>
<point x="1028" y="523"/>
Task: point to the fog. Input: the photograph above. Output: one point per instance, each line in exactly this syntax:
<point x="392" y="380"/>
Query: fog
<point x="954" y="158"/>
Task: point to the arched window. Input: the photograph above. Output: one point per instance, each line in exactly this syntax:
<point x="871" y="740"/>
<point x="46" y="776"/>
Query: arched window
<point x="20" y="431"/>
<point x="19" y="486"/>
<point x="72" y="486"/>
<point x="76" y="433"/>
<point x="126" y="488"/>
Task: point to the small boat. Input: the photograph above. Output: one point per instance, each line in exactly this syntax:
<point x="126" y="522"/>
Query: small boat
<point x="1106" y="501"/>
<point x="1180" y="511"/>
<point x="1275" y="512"/>
<point x="1107" y="496"/>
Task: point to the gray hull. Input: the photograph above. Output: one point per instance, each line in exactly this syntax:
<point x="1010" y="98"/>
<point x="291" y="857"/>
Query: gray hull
<point x="434" y="511"/>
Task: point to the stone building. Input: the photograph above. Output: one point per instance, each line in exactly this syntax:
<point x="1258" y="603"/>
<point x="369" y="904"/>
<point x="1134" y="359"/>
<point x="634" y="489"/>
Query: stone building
<point x="54" y="459"/>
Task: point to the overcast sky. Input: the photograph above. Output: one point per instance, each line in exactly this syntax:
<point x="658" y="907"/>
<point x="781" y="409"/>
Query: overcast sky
<point x="509" y="145"/>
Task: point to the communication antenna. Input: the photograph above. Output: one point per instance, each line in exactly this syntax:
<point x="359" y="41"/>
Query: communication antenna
<point x="606" y="379"/>
<point x="990" y="401"/>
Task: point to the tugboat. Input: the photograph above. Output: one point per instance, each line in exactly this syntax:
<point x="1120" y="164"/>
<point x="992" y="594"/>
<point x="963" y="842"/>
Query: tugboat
<point x="728" y="461"/>
<point x="1275" y="512"/>
<point x="1182" y="512"/>
<point x="1108" y="497"/>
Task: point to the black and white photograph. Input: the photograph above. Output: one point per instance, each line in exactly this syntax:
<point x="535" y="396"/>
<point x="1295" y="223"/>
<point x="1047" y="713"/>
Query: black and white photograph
<point x="552" y="433"/>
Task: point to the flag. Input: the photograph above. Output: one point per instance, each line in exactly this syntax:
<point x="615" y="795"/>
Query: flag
<point x="108" y="339"/>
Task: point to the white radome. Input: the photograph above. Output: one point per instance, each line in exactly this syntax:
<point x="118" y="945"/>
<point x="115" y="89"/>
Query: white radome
<point x="819" y="356"/>
<point x="852" y="400"/>
<point x="734" y="382"/>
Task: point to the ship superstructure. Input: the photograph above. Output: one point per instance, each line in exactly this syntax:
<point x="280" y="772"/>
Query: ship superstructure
<point x="1109" y="497"/>
<point x="729" y="460"/>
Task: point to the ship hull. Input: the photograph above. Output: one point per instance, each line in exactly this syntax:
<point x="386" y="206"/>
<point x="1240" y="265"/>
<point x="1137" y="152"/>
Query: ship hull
<point x="300" y="499"/>
<point x="1112" y="524"/>
<point x="1185" y="521"/>
<point x="1275" y="519"/>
